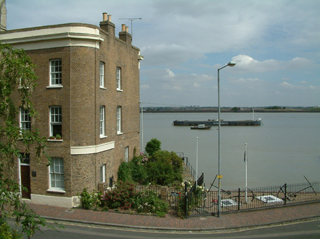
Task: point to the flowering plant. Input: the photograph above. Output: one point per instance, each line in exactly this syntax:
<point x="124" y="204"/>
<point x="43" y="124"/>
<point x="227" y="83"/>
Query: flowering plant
<point x="122" y="196"/>
<point x="148" y="202"/>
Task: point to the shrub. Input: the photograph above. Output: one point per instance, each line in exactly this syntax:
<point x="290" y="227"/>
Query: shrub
<point x="152" y="146"/>
<point x="148" y="202"/>
<point x="122" y="196"/>
<point x="124" y="172"/>
<point x="88" y="200"/>
<point x="160" y="172"/>
<point x="165" y="168"/>
<point x="138" y="170"/>
<point x="161" y="168"/>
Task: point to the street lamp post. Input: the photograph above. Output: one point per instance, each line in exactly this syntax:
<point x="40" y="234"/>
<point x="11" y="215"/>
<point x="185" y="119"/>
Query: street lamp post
<point x="231" y="63"/>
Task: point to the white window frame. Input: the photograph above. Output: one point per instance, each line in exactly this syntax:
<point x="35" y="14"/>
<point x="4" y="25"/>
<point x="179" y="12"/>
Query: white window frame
<point x="103" y="173"/>
<point x="55" y="118"/>
<point x="102" y="121"/>
<point x="25" y="119"/>
<point x="101" y="74"/>
<point x="56" y="72"/>
<point x="119" y="79"/>
<point x="56" y="174"/>
<point x="119" y="120"/>
<point x="126" y="154"/>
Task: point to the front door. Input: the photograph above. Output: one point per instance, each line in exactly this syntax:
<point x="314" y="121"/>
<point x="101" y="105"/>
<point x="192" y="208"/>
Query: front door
<point x="25" y="180"/>
<point x="25" y="175"/>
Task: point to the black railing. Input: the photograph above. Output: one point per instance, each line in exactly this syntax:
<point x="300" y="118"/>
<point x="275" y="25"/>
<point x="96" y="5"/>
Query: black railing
<point x="188" y="168"/>
<point x="199" y="201"/>
<point x="255" y="198"/>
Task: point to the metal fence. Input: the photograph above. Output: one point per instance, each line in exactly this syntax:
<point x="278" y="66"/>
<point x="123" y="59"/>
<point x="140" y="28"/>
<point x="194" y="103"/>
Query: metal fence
<point x="254" y="199"/>
<point x="206" y="202"/>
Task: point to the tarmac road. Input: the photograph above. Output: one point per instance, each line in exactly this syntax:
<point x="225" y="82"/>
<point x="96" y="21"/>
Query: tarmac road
<point x="303" y="229"/>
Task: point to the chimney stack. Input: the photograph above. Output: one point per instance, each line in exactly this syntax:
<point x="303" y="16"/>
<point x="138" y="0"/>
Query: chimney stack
<point x="105" y="16"/>
<point x="124" y="35"/>
<point x="106" y="24"/>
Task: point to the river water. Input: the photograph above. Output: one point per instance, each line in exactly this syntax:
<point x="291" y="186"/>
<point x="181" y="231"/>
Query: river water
<point x="283" y="150"/>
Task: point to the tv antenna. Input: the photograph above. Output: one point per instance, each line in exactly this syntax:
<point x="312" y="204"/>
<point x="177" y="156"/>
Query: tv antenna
<point x="131" y="19"/>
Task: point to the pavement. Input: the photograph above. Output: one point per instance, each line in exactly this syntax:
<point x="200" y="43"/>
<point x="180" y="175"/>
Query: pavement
<point x="230" y="221"/>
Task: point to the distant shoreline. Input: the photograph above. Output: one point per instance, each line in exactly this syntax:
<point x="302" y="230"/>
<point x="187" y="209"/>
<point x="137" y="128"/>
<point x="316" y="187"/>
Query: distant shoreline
<point x="230" y="111"/>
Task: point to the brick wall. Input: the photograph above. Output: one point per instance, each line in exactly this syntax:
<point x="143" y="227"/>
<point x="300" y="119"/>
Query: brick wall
<point x="80" y="100"/>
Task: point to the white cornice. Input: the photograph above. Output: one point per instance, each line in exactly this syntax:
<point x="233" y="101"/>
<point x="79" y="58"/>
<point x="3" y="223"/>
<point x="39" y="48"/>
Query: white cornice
<point x="54" y="37"/>
<point x="92" y="149"/>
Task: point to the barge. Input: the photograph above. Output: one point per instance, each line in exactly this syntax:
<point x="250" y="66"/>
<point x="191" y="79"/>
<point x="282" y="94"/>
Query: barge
<point x="257" y="122"/>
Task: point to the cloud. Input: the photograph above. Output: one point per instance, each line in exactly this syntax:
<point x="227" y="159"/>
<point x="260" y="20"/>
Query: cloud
<point x="196" y="85"/>
<point x="170" y="73"/>
<point x="246" y="63"/>
<point x="246" y="81"/>
<point x="298" y="63"/>
<point x="185" y="41"/>
<point x="288" y="86"/>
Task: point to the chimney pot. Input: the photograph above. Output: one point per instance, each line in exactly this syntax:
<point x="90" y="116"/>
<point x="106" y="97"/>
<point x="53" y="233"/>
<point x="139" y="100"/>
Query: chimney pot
<point x="123" y="27"/>
<point x="109" y="18"/>
<point x="127" y="29"/>
<point x="105" y="15"/>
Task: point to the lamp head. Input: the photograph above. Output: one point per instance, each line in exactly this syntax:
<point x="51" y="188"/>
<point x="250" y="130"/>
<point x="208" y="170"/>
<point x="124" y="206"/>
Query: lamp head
<point x="231" y="63"/>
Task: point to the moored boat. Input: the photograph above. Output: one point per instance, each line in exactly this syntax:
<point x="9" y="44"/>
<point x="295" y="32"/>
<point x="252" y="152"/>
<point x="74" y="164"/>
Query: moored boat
<point x="200" y="126"/>
<point x="211" y="123"/>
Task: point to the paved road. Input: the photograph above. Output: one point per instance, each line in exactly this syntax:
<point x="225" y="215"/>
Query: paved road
<point x="307" y="229"/>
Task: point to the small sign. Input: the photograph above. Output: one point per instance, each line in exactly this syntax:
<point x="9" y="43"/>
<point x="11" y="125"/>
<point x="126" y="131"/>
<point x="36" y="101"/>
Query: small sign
<point x="219" y="176"/>
<point x="174" y="194"/>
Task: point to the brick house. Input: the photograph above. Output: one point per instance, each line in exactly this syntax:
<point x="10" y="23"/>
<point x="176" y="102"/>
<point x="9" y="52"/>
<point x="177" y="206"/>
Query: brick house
<point x="87" y="93"/>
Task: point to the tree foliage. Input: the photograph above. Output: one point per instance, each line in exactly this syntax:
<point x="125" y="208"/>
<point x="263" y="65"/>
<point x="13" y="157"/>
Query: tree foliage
<point x="235" y="109"/>
<point x="162" y="168"/>
<point x="152" y="146"/>
<point x="17" y="81"/>
<point x="165" y="168"/>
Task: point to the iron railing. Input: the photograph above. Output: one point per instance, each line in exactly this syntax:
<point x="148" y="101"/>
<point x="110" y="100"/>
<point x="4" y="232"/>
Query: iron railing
<point x="254" y="199"/>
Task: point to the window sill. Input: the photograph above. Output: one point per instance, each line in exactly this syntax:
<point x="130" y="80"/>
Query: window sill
<point x="103" y="136"/>
<point x="56" y="191"/>
<point x="119" y="133"/>
<point x="54" y="86"/>
<point x="119" y="90"/>
<point x="55" y="140"/>
<point x="103" y="88"/>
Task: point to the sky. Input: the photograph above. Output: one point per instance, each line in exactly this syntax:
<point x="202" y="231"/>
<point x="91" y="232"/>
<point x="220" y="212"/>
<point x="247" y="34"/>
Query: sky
<point x="274" y="43"/>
